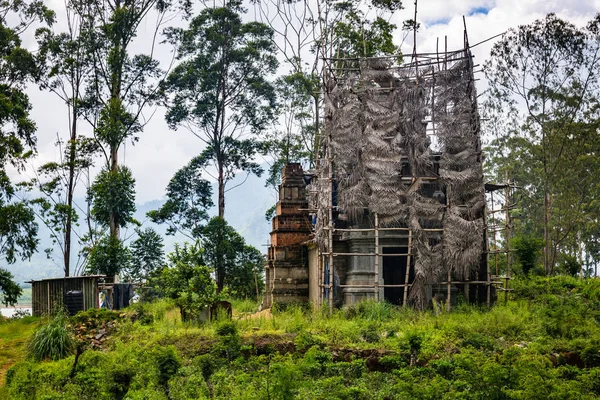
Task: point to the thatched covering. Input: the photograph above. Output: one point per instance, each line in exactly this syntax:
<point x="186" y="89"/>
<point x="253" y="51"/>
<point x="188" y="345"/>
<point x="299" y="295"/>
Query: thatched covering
<point x="380" y="116"/>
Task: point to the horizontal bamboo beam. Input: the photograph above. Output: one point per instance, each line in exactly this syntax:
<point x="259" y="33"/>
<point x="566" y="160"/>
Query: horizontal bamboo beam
<point x="369" y="254"/>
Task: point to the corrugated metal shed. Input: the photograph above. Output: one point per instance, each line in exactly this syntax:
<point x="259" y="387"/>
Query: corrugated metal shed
<point x="48" y="295"/>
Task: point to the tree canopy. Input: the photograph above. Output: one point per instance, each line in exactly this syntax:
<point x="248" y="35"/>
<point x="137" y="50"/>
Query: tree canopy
<point x="219" y="89"/>
<point x="18" y="67"/>
<point x="544" y="115"/>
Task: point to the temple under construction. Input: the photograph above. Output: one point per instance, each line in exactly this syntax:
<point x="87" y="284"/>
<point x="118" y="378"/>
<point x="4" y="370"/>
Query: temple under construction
<point x="395" y="208"/>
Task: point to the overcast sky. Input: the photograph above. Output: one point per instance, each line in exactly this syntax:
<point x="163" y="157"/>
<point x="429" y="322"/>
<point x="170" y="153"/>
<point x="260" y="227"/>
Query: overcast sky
<point x="160" y="151"/>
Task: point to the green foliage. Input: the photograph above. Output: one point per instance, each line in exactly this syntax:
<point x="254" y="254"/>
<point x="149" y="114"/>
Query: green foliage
<point x="113" y="197"/>
<point x="370" y="333"/>
<point x="18" y="230"/>
<point x="229" y="341"/>
<point x="168" y="363"/>
<point x="357" y="36"/>
<point x="188" y="199"/>
<point x="296" y="141"/>
<point x="10" y="290"/>
<point x="545" y="347"/>
<point x="543" y="114"/>
<point x="569" y="265"/>
<point x="57" y="182"/>
<point x="370" y="310"/>
<point x="247" y="305"/>
<point x="237" y="266"/>
<point x="94" y="317"/>
<point x="219" y="89"/>
<point x="147" y="254"/>
<point x="52" y="340"/>
<point x="187" y="281"/>
<point x="109" y="257"/>
<point x="305" y="341"/>
<point x="18" y="68"/>
<point x="527" y="250"/>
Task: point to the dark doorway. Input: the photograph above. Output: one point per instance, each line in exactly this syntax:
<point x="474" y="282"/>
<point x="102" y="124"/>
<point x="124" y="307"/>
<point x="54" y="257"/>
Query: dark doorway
<point x="394" y="272"/>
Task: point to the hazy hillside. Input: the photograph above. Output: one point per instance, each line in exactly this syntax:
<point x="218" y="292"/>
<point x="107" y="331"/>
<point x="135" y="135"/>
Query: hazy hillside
<point x="245" y="210"/>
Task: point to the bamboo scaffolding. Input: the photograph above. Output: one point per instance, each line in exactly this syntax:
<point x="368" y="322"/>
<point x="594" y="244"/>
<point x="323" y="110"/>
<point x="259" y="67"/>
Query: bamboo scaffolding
<point x="407" y="275"/>
<point x="436" y="73"/>
<point x="376" y="257"/>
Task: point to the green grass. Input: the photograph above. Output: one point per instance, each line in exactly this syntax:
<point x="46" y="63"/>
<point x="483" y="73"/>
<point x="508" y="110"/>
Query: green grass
<point x="544" y="343"/>
<point x="52" y="341"/>
<point x="14" y="337"/>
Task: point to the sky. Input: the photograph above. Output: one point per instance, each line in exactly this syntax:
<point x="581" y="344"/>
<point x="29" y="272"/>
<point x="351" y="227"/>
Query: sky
<point x="160" y="151"/>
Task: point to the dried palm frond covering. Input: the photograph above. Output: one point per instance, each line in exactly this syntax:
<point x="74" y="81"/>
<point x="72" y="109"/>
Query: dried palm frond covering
<point x="384" y="119"/>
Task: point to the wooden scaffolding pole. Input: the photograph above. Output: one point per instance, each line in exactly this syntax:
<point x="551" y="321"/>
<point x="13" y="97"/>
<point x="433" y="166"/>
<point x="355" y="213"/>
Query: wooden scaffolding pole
<point x="507" y="217"/>
<point x="330" y="232"/>
<point x="376" y="263"/>
<point x="407" y="275"/>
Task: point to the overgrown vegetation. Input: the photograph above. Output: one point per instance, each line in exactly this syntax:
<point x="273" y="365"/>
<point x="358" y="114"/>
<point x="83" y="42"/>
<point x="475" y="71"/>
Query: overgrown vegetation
<point x="52" y="341"/>
<point x="544" y="343"/>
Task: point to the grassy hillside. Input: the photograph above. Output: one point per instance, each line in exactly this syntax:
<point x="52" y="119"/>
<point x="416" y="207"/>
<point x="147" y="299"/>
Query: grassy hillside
<point x="13" y="342"/>
<point x="543" y="344"/>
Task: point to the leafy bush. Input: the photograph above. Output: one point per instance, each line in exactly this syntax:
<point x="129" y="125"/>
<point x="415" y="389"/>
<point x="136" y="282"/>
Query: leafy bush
<point x="142" y="313"/>
<point x="53" y="340"/>
<point x="528" y="250"/>
<point x="229" y="341"/>
<point x="305" y="340"/>
<point x="369" y="333"/>
<point x="547" y="346"/>
<point x="168" y="363"/>
<point x="569" y="265"/>
<point x="187" y="281"/>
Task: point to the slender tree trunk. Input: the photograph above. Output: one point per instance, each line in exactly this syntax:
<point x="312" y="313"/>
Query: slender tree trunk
<point x="70" y="189"/>
<point x="221" y="183"/>
<point x="220" y="257"/>
<point x="546" y="233"/>
<point x="114" y="228"/>
<point x="115" y="94"/>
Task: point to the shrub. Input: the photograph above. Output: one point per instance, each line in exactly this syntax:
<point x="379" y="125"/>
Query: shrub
<point x="305" y="340"/>
<point x="142" y="313"/>
<point x="52" y="341"/>
<point x="229" y="344"/>
<point x="186" y="281"/>
<point x="569" y="266"/>
<point x="167" y="362"/>
<point x="369" y="333"/>
<point x="528" y="250"/>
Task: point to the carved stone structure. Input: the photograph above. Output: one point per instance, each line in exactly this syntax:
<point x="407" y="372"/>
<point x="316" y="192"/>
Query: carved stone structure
<point x="287" y="260"/>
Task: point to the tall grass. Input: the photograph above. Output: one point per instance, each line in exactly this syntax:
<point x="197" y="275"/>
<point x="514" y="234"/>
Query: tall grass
<point x="52" y="341"/>
<point x="245" y="305"/>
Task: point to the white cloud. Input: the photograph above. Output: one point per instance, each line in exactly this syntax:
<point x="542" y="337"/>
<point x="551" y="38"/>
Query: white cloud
<point x="160" y="151"/>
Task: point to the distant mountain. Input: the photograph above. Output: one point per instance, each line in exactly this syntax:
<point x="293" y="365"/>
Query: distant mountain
<point x="245" y="208"/>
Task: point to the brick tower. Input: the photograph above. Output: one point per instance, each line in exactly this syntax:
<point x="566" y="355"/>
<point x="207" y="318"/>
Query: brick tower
<point x="287" y="263"/>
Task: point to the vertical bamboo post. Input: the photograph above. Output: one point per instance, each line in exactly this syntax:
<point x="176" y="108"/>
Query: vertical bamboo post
<point x="407" y="275"/>
<point x="320" y="280"/>
<point x="494" y="241"/>
<point x="376" y="257"/>
<point x="507" y="217"/>
<point x="449" y="288"/>
<point x="487" y="257"/>
<point x="330" y="227"/>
